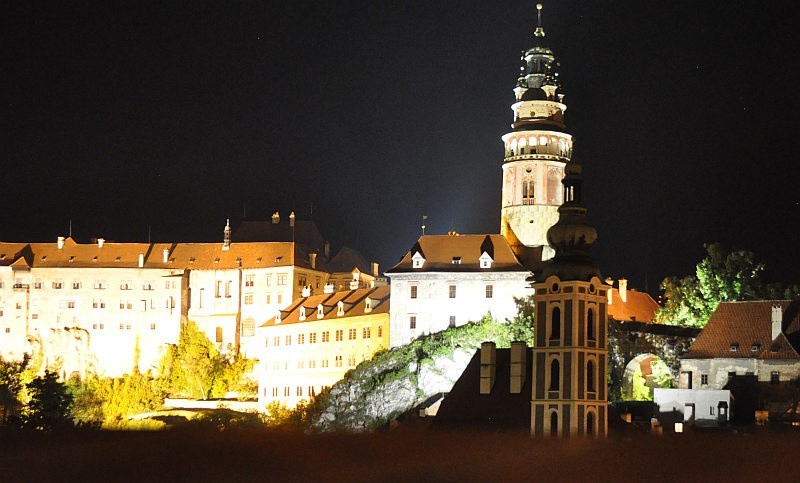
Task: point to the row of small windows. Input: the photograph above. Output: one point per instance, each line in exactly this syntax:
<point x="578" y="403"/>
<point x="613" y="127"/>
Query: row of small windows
<point x="451" y="291"/>
<point x="338" y="361"/>
<point x="122" y="326"/>
<point x="299" y="391"/>
<point x="352" y="334"/>
<point x="59" y="284"/>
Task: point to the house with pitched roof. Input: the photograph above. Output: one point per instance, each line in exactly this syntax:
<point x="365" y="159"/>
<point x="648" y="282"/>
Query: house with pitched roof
<point x="311" y="343"/>
<point x="448" y="280"/>
<point x="758" y="338"/>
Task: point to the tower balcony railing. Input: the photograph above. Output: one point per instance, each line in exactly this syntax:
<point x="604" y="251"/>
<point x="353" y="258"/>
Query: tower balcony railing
<point x="563" y="156"/>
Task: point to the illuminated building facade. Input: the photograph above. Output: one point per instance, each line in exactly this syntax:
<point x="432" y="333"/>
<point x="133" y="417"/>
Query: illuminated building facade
<point x="570" y="383"/>
<point x="448" y="280"/>
<point x="107" y="308"/>
<point x="312" y="343"/>
<point x="536" y="151"/>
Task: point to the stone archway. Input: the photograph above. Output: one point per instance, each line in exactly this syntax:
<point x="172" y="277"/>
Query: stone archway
<point x="642" y="374"/>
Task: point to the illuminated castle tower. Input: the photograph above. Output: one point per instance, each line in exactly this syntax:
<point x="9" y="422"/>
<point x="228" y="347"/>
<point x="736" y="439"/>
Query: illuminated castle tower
<point x="536" y="151"/>
<point x="570" y="352"/>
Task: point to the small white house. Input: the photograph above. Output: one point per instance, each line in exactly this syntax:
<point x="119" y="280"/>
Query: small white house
<point x="701" y="406"/>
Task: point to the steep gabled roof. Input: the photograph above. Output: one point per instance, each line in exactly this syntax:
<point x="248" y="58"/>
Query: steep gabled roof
<point x="748" y="324"/>
<point x="440" y="251"/>
<point x="354" y="305"/>
<point x="465" y="408"/>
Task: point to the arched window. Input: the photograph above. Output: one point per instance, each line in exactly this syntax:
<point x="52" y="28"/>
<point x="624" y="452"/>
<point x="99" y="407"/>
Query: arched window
<point x="555" y="324"/>
<point x="555" y="375"/>
<point x="554" y="423"/>
<point x="590" y="332"/>
<point x="590" y="423"/>
<point x="527" y="192"/>
<point x="590" y="376"/>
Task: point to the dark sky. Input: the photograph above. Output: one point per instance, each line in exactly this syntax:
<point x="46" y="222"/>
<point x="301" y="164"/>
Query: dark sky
<point x="124" y="117"/>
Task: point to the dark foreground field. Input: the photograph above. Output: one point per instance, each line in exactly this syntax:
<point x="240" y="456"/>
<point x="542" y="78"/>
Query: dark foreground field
<point x="192" y="455"/>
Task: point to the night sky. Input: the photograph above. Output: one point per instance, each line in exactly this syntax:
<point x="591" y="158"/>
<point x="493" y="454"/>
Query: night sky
<point x="364" y="115"/>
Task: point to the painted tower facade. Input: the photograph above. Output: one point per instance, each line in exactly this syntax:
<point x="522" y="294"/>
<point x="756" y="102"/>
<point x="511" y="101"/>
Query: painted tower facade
<point x="570" y="388"/>
<point x="536" y="151"/>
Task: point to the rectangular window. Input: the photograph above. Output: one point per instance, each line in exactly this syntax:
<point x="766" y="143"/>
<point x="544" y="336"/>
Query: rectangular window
<point x="414" y="291"/>
<point x="286" y="391"/>
<point x="288" y="340"/>
<point x="338" y="361"/>
<point x="152" y="326"/>
<point x="452" y="321"/>
<point x="301" y="280"/>
<point x="412" y="322"/>
<point x="489" y="291"/>
<point x="269" y="280"/>
<point x="326" y="336"/>
<point x="339" y="335"/>
<point x="366" y="333"/>
<point x="76" y="285"/>
<point x="269" y="299"/>
<point x="58" y="284"/>
<point x="380" y="331"/>
<point x="274" y="392"/>
<point x="280" y="299"/>
<point x="301" y="364"/>
<point x="249" y="280"/>
<point x="218" y="335"/>
<point x="452" y="294"/>
<point x="228" y="289"/>
<point x="774" y="377"/>
<point x="351" y="334"/>
<point x="351" y="360"/>
<point x="312" y="338"/>
<point x="703" y="378"/>
<point x="248" y="299"/>
<point x="218" y="289"/>
<point x="324" y="362"/>
<point x="312" y="364"/>
<point x="711" y="410"/>
<point x="248" y="327"/>
<point x="281" y="279"/>
<point x="301" y="338"/>
<point x="147" y="285"/>
<point x="299" y="391"/>
<point x="37" y="284"/>
<point x="126" y="285"/>
<point x="276" y="341"/>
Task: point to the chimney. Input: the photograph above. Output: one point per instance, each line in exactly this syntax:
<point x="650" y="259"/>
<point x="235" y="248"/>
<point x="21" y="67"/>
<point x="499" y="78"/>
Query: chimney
<point x="610" y="283"/>
<point x="623" y="290"/>
<point x="306" y="292"/>
<point x="519" y="362"/>
<point x="165" y="255"/>
<point x="313" y="259"/>
<point x="328" y="288"/>
<point x="141" y="260"/>
<point x="375" y="271"/>
<point x="777" y="321"/>
<point x="101" y="242"/>
<point x="276" y="218"/>
<point x="291" y="219"/>
<point x="488" y="366"/>
<point x="226" y="237"/>
<point x="60" y="243"/>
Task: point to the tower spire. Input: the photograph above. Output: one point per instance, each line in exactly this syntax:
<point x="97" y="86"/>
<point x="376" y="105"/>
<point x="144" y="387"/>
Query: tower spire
<point x="539" y="32"/>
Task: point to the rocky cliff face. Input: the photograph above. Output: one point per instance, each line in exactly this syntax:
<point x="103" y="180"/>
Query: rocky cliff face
<point x="396" y="381"/>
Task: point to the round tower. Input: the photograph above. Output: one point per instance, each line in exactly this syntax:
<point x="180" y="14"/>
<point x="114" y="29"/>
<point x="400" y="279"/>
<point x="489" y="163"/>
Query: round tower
<point x="536" y="150"/>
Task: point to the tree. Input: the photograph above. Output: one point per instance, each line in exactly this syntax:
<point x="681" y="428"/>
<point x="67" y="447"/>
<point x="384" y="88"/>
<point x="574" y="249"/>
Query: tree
<point x="195" y="369"/>
<point x="50" y="403"/>
<point x="723" y="275"/>
<point x="10" y="385"/>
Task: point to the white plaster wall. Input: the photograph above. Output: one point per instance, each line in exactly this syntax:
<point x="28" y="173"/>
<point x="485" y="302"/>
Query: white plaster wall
<point x="433" y="307"/>
<point x="706" y="402"/>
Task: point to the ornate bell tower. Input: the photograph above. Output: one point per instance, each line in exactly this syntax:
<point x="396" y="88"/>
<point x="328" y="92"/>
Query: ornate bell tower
<point x="536" y="150"/>
<point x="570" y="387"/>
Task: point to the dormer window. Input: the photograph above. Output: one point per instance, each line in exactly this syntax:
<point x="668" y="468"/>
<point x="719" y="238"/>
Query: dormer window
<point x="320" y="311"/>
<point x="71" y="259"/>
<point x="755" y="347"/>
<point x="486" y="260"/>
<point x="734" y="347"/>
<point x="302" y="313"/>
<point x="456" y="261"/>
<point x="417" y="261"/>
<point x="368" y="305"/>
<point x="278" y="259"/>
<point x="340" y="309"/>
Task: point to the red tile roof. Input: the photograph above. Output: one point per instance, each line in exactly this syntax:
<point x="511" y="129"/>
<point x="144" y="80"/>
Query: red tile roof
<point x="354" y="304"/>
<point x="639" y="306"/>
<point x="439" y="252"/>
<point x="748" y="324"/>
